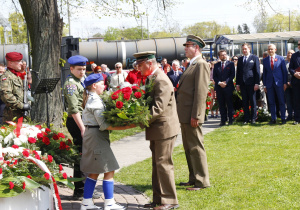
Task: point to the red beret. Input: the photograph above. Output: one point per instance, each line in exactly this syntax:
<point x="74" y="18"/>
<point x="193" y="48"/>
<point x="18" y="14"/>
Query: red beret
<point x="13" y="56"/>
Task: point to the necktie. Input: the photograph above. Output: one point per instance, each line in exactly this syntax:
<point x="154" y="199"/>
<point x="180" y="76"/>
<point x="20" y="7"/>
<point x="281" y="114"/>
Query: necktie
<point x="272" y="63"/>
<point x="245" y="59"/>
<point x="222" y="66"/>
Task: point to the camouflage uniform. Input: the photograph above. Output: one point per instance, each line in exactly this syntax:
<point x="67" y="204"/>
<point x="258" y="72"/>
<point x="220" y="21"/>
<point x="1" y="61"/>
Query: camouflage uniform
<point x="12" y="94"/>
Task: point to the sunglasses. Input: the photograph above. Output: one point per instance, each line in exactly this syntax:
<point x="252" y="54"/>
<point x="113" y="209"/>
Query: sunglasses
<point x="118" y="67"/>
<point x="235" y="59"/>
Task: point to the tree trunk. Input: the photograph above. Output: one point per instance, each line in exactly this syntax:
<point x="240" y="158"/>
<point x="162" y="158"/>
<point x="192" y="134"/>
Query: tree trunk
<point x="45" y="29"/>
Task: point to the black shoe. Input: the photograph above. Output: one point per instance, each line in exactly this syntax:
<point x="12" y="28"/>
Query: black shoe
<point x="151" y="205"/>
<point x="283" y="122"/>
<point x="222" y="124"/>
<point x="289" y="118"/>
<point x="78" y="196"/>
<point x="296" y="123"/>
<point x="272" y="122"/>
<point x="230" y="123"/>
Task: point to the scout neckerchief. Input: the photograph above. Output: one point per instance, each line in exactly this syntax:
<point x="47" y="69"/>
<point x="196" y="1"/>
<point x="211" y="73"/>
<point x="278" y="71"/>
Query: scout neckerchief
<point x="18" y="74"/>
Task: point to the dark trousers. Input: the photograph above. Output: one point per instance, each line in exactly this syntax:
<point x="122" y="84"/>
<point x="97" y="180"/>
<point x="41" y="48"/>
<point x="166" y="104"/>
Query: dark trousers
<point x="248" y="94"/>
<point x="77" y="139"/>
<point x="289" y="102"/>
<point x="296" y="89"/>
<point x="273" y="93"/>
<point x="224" y="96"/>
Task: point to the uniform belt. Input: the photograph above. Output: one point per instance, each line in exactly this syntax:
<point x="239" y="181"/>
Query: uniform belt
<point x="92" y="126"/>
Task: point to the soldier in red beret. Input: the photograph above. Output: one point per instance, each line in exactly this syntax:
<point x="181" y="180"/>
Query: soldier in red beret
<point x="12" y="88"/>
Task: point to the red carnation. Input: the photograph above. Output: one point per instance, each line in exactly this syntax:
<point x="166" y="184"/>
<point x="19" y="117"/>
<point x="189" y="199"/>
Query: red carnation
<point x="24" y="185"/>
<point x="38" y="126"/>
<point x="47" y="176"/>
<point x="47" y="130"/>
<point x="126" y="96"/>
<point x="15" y="163"/>
<point x="67" y="147"/>
<point x="143" y="91"/>
<point x="15" y="146"/>
<point x="208" y="102"/>
<point x="134" y="88"/>
<point x="117" y="92"/>
<point x="31" y="140"/>
<point x="137" y="95"/>
<point x="46" y="140"/>
<point x="114" y="96"/>
<point x="35" y="152"/>
<point x="62" y="145"/>
<point x="25" y="153"/>
<point x="119" y="104"/>
<point x="65" y="175"/>
<point x="69" y="142"/>
<point x="0" y="170"/>
<point x="29" y="177"/>
<point x="61" y="135"/>
<point x="126" y="90"/>
<point x="11" y="185"/>
<point x="55" y="137"/>
<point x="60" y="167"/>
<point x="50" y="158"/>
<point x="40" y="136"/>
<point x="37" y="157"/>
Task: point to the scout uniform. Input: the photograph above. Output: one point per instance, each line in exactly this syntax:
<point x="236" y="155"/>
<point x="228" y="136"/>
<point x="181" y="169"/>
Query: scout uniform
<point x="97" y="155"/>
<point x="12" y="90"/>
<point x="73" y="93"/>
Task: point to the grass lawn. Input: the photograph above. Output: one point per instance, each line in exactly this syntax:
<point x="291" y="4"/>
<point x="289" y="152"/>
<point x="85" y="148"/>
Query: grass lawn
<point x="251" y="167"/>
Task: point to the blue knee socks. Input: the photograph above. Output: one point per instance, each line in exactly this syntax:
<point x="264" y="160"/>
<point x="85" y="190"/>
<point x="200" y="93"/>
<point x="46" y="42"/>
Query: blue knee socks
<point x="89" y="187"/>
<point x="108" y="189"/>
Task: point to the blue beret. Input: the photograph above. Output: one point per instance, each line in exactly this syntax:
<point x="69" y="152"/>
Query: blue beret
<point x="78" y="60"/>
<point x="93" y="78"/>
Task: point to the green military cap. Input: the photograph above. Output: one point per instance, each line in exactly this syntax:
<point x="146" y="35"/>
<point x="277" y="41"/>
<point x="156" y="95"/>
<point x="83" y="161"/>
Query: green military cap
<point x="143" y="56"/>
<point x="191" y="39"/>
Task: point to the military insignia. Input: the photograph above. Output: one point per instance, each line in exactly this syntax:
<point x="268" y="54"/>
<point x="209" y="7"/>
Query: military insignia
<point x="4" y="78"/>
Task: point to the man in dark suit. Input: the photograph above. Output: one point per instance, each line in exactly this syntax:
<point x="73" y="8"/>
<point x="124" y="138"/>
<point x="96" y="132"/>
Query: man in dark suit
<point x="294" y="69"/>
<point x="174" y="75"/>
<point x="162" y="132"/>
<point x="223" y="75"/>
<point x="247" y="81"/>
<point x="191" y="106"/>
<point x="275" y="82"/>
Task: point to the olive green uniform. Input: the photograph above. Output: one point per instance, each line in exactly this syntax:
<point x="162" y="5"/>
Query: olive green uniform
<point x="12" y="94"/>
<point x="73" y="93"/>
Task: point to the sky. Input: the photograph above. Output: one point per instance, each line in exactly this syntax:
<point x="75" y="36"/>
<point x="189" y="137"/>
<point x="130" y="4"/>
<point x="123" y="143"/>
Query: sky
<point x="185" y="13"/>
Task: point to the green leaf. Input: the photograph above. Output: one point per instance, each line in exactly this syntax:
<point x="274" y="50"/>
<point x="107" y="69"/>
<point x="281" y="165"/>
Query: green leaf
<point x="30" y="184"/>
<point x="122" y="115"/>
<point x="68" y="181"/>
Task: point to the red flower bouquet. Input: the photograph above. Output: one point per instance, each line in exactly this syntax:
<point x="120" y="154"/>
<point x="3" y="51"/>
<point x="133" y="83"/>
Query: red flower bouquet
<point x="126" y="106"/>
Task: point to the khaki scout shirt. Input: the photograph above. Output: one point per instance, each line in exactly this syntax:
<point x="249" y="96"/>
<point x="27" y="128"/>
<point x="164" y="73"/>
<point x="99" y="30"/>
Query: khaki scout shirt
<point x="12" y="91"/>
<point x="92" y="113"/>
<point x="73" y="92"/>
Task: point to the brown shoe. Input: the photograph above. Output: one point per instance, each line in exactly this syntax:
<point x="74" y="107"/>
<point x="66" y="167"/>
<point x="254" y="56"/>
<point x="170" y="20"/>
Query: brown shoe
<point x="151" y="205"/>
<point x="186" y="183"/>
<point x="166" y="206"/>
<point x="194" y="188"/>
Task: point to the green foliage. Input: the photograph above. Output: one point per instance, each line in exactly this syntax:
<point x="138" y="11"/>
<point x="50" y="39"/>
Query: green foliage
<point x="163" y="34"/>
<point x="250" y="167"/>
<point x="19" y="28"/>
<point x="62" y="62"/>
<point x="128" y="33"/>
<point x="262" y="115"/>
<point x="244" y="29"/>
<point x="207" y="29"/>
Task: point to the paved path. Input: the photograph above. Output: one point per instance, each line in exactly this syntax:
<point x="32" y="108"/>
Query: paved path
<point x="123" y="150"/>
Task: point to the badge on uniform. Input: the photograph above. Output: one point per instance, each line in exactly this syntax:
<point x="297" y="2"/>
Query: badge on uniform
<point x="4" y="79"/>
<point x="71" y="89"/>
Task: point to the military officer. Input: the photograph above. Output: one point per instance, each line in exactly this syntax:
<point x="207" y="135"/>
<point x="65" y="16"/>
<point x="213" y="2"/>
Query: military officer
<point x="12" y="88"/>
<point x="73" y="93"/>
